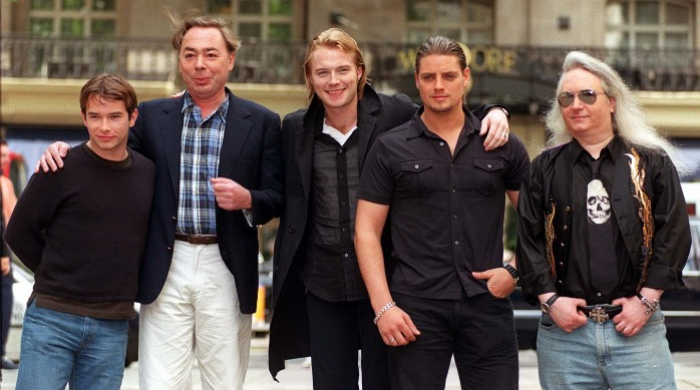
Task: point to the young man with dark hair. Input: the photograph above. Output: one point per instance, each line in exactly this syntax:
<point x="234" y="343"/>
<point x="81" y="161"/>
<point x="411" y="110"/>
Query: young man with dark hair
<point x="218" y="176"/>
<point x="84" y="243"/>
<point x="445" y="197"/>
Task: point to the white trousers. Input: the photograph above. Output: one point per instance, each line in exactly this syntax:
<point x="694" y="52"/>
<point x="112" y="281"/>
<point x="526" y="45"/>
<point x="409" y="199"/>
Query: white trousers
<point x="197" y="312"/>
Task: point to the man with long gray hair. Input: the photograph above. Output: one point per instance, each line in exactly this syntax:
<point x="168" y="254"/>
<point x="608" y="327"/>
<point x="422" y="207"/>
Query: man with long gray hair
<point x="597" y="253"/>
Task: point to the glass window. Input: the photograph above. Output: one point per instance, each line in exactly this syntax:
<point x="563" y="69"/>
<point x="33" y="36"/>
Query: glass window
<point x="41" y="26"/>
<point x="104" y="5"/>
<point x="677" y="41"/>
<point x="449" y="32"/>
<point x="280" y="7"/>
<point x="677" y="14"/>
<point x="419" y="10"/>
<point x="253" y="30"/>
<point x="73" y="5"/>
<point x="42" y="4"/>
<point x="449" y="11"/>
<point x="418" y="35"/>
<point x="261" y="19"/>
<point x="250" y="7"/>
<point x="103" y="28"/>
<point x="650" y="24"/>
<point x="468" y="21"/>
<point x="281" y="31"/>
<point x="220" y="6"/>
<point x="480" y="11"/>
<point x="648" y="40"/>
<point x="73" y="18"/>
<point x="74" y="27"/>
<point x="647" y="12"/>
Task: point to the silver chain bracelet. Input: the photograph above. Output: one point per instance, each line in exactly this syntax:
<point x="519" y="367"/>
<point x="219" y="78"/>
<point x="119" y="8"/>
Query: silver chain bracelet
<point x="384" y="310"/>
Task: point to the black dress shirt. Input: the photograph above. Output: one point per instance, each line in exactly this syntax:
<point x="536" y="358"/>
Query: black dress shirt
<point x="553" y="250"/>
<point x="331" y="271"/>
<point x="446" y="210"/>
<point x="577" y="282"/>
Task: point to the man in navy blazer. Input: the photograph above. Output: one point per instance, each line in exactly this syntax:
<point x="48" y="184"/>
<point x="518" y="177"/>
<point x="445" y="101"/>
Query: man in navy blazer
<point x="218" y="176"/>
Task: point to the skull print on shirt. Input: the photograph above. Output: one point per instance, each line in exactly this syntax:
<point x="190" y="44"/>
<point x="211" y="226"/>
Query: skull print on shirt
<point x="597" y="203"/>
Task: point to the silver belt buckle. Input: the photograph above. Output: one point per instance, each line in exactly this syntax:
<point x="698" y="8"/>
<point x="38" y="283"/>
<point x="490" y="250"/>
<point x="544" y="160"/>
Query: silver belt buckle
<point x="599" y="315"/>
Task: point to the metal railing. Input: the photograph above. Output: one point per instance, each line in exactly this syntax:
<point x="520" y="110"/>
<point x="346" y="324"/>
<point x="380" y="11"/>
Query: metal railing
<point x="520" y="69"/>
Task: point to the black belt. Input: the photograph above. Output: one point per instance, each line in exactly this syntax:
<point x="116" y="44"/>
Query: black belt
<point x="196" y="239"/>
<point x="601" y="313"/>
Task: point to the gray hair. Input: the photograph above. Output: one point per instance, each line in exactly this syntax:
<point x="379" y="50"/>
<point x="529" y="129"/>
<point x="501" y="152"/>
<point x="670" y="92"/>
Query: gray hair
<point x="629" y="122"/>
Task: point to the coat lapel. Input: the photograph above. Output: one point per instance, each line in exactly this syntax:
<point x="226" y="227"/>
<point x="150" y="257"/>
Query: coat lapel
<point x="237" y="129"/>
<point x="366" y="122"/>
<point x="171" y="134"/>
<point x="305" y="147"/>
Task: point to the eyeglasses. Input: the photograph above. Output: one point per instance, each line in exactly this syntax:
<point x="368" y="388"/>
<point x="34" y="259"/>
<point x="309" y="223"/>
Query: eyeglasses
<point x="587" y="96"/>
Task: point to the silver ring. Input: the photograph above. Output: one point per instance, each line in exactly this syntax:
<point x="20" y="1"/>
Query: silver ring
<point x="504" y="135"/>
<point x="392" y="341"/>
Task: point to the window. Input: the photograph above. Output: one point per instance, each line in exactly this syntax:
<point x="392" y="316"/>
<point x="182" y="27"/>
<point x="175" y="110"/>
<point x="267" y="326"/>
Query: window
<point x="73" y="18"/>
<point x="641" y="24"/>
<point x="468" y="21"/>
<point x="261" y="19"/>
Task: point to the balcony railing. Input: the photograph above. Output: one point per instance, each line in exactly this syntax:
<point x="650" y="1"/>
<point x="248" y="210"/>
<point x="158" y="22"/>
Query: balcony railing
<point x="516" y="73"/>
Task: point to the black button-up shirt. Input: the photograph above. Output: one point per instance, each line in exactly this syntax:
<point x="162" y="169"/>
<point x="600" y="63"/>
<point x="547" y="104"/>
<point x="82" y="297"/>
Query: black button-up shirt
<point x="577" y="282"/>
<point x="331" y="270"/>
<point x="446" y="210"/>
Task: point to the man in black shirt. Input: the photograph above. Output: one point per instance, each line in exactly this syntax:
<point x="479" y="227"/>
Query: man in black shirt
<point x="603" y="233"/>
<point x="444" y="195"/>
<point x="84" y="244"/>
<point x="320" y="302"/>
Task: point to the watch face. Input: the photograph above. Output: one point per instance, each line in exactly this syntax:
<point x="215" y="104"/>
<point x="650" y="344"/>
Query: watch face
<point x="545" y="308"/>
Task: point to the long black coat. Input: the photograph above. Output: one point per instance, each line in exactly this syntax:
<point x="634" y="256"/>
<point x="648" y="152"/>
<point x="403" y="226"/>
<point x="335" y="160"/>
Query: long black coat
<point x="377" y="113"/>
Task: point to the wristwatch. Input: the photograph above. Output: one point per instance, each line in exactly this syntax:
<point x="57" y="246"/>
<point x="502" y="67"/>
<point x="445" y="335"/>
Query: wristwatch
<point x="514" y="273"/>
<point x="547" y="306"/>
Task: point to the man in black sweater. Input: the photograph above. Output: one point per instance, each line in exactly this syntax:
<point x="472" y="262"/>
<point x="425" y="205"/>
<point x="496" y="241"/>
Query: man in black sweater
<point x="82" y="230"/>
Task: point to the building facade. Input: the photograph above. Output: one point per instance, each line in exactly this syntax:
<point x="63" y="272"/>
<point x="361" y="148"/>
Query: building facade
<point x="515" y="48"/>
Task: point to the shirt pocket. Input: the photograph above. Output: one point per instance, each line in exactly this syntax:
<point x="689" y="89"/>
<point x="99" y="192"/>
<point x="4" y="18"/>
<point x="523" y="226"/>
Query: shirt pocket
<point x="487" y="175"/>
<point x="418" y="177"/>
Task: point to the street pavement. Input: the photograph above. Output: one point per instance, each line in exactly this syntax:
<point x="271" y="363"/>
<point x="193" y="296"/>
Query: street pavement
<point x="297" y="375"/>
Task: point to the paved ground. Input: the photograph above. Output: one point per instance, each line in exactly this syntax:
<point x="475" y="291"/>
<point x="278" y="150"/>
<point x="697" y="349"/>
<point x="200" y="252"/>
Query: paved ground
<point x="298" y="377"/>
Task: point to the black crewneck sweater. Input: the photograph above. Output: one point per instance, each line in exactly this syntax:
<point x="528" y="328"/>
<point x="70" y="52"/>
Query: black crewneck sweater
<point x="82" y="229"/>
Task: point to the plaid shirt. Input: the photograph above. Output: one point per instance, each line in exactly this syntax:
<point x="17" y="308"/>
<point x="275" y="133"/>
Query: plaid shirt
<point x="199" y="162"/>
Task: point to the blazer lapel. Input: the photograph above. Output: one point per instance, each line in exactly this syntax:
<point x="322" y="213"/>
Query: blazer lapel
<point x="171" y="134"/>
<point x="238" y="127"/>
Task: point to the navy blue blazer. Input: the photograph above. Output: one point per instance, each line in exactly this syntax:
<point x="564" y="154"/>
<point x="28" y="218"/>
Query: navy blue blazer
<point x="251" y="155"/>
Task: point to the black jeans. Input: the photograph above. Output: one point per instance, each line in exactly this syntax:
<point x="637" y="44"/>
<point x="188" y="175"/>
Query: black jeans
<point x="479" y="332"/>
<point x="338" y="330"/>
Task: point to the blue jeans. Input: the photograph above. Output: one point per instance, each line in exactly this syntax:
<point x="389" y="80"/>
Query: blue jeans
<point x="59" y="348"/>
<point x="596" y="356"/>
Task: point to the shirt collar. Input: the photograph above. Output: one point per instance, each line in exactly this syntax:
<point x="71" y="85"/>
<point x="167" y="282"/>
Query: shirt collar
<point x="471" y="124"/>
<point x="188" y="104"/>
<point x="612" y="150"/>
<point x="337" y="134"/>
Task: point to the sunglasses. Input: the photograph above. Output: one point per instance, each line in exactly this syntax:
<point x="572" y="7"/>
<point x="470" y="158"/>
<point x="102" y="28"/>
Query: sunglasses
<point x="587" y="96"/>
